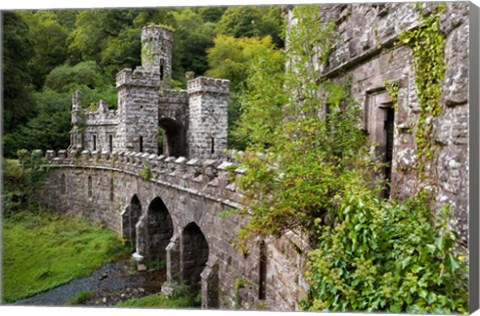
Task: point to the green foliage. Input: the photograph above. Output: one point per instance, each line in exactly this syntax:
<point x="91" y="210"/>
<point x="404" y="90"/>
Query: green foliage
<point x="239" y="284"/>
<point x="146" y="172"/>
<point x="428" y="45"/>
<point x="261" y="104"/>
<point x="49" y="43"/>
<point x="48" y="130"/>
<point x="237" y="59"/>
<point x="181" y="298"/>
<point x="67" y="78"/>
<point x="192" y="37"/>
<point x="18" y="104"/>
<point x="81" y="298"/>
<point x="42" y="250"/>
<point x="21" y="178"/>
<point x="251" y="21"/>
<point x="395" y="257"/>
<point x="159" y="264"/>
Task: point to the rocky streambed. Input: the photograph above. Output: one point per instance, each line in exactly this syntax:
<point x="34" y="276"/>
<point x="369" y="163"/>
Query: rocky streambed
<point x="107" y="286"/>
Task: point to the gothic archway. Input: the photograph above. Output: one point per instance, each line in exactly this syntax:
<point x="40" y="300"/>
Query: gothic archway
<point x="159" y="229"/>
<point x="130" y="218"/>
<point x="172" y="138"/>
<point x="194" y="255"/>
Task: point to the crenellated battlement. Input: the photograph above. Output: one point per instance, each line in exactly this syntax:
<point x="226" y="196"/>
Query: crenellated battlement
<point x="204" y="84"/>
<point x="214" y="179"/>
<point x="138" y="77"/>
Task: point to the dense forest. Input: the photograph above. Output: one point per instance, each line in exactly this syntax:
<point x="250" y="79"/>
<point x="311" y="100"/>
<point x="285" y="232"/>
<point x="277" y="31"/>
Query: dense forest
<point x="50" y="54"/>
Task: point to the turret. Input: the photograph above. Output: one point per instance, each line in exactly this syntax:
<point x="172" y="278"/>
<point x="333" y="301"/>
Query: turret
<point x="76" y="137"/>
<point x="157" y="52"/>
<point x="207" y="126"/>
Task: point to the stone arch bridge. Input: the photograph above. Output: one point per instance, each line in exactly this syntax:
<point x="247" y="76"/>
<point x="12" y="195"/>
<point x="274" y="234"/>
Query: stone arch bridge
<point x="171" y="209"/>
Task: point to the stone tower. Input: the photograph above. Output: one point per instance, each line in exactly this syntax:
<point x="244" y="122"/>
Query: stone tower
<point x="157" y="52"/>
<point x="208" y="117"/>
<point x="138" y="91"/>
<point x="76" y="134"/>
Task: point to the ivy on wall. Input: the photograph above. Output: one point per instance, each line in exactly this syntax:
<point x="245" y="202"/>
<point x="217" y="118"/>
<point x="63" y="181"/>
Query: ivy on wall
<point x="428" y="45"/>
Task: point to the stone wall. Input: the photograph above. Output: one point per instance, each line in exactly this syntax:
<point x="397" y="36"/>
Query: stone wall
<point x="366" y="56"/>
<point x="170" y="210"/>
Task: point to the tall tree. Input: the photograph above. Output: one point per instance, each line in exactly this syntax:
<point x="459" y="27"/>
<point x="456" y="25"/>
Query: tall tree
<point x="49" y="38"/>
<point x="17" y="90"/>
<point x="248" y="21"/>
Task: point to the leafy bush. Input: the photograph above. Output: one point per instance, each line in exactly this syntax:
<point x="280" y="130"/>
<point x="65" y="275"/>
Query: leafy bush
<point x="21" y="177"/>
<point x="387" y="256"/>
<point x="182" y="297"/>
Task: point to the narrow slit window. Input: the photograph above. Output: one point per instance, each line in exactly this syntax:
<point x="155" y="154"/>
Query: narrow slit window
<point x="212" y="145"/>
<point x="112" y="192"/>
<point x="90" y="189"/>
<point x="162" y="63"/>
<point x="389" y="125"/>
<point x="141" y="144"/>
<point x="110" y="143"/>
<point x="63" y="183"/>
<point x="94" y="142"/>
<point x="262" y="278"/>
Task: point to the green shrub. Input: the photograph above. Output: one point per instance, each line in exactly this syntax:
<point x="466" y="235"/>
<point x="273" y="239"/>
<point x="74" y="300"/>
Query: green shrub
<point x="182" y="297"/>
<point x="387" y="256"/>
<point x="81" y="297"/>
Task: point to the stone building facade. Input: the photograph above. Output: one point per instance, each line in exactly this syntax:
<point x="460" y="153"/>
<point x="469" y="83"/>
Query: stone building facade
<point x="367" y="56"/>
<point x="194" y="121"/>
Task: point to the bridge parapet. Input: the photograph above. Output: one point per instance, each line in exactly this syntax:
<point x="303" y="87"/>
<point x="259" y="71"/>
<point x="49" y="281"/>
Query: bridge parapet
<point x="212" y="178"/>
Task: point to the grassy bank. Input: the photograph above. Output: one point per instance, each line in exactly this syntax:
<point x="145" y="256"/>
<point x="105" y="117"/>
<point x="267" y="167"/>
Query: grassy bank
<point x="44" y="250"/>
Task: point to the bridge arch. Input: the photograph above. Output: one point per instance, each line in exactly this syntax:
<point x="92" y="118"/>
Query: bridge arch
<point x="159" y="229"/>
<point x="130" y="217"/>
<point x="193" y="255"/>
<point x="174" y="138"/>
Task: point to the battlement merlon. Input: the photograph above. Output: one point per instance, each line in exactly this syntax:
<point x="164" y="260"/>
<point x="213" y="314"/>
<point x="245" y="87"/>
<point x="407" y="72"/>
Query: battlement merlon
<point x="138" y="77"/>
<point x="204" y="84"/>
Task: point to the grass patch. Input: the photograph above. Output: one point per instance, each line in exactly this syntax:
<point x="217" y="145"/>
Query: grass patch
<point x="44" y="250"/>
<point x="160" y="301"/>
<point x="81" y="298"/>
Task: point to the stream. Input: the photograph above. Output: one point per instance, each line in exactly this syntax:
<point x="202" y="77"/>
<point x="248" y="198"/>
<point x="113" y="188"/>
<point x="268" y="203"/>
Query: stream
<point x="112" y="283"/>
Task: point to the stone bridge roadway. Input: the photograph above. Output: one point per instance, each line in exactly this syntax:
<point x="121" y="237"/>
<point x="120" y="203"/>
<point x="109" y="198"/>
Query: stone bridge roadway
<point x="171" y="209"/>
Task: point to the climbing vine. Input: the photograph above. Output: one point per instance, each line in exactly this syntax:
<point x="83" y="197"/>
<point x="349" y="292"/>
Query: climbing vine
<point x="428" y="46"/>
<point x="392" y="88"/>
